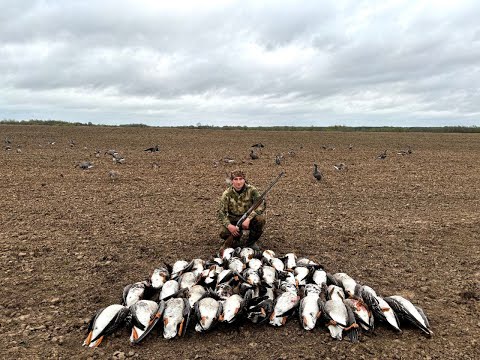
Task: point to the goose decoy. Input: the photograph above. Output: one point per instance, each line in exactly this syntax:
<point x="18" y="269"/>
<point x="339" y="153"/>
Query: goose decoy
<point x="316" y="173"/>
<point x="253" y="155"/>
<point x="85" y="165"/>
<point x="105" y="322"/>
<point x="408" y="151"/>
<point x="278" y="159"/>
<point x="258" y="145"/>
<point x="113" y="175"/>
<point x="152" y="149"/>
<point x="382" y="155"/>
<point x="340" y="166"/>
<point x="118" y="159"/>
<point x="410" y="313"/>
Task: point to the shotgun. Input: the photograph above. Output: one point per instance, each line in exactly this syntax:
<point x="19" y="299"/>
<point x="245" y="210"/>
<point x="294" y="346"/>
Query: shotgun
<point x="257" y="202"/>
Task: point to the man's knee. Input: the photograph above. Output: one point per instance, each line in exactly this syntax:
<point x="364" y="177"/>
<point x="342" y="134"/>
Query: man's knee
<point x="258" y="222"/>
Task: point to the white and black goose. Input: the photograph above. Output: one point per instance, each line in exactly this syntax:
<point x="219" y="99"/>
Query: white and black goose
<point x="145" y="315"/>
<point x="410" y="313"/>
<point x="284" y="305"/>
<point x="176" y="317"/>
<point x="159" y="277"/>
<point x="105" y="322"/>
<point x="207" y="310"/>
<point x="336" y="312"/>
<point x="134" y="292"/>
<point x="381" y="310"/>
<point x="311" y="306"/>
<point x="169" y="289"/>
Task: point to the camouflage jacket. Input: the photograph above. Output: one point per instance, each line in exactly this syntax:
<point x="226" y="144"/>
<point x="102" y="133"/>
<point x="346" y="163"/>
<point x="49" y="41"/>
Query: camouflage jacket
<point x="233" y="203"/>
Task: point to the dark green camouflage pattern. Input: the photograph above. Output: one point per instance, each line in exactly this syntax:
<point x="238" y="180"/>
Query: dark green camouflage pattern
<point x="234" y="204"/>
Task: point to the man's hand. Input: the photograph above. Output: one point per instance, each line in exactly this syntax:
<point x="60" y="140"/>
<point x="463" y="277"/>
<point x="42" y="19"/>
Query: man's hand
<point x="233" y="230"/>
<point x="246" y="224"/>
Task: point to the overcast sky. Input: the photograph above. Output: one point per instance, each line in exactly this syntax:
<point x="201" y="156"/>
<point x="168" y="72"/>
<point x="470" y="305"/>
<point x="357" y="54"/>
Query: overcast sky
<point x="163" y="63"/>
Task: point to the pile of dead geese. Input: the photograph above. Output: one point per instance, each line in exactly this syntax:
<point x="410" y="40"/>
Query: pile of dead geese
<point x="243" y="284"/>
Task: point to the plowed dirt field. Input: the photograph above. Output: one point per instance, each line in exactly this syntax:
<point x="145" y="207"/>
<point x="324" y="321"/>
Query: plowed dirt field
<point x="71" y="239"/>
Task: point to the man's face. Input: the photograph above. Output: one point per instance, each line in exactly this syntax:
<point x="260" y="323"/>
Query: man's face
<point x="238" y="183"/>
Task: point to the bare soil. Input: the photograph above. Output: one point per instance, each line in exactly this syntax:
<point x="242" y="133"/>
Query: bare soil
<point x="71" y="239"/>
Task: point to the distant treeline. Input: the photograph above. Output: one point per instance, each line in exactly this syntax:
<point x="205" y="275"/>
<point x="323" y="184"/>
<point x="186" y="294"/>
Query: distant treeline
<point x="340" y="128"/>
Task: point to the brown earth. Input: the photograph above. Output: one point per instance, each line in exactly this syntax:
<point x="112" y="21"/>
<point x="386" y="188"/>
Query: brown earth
<point x="72" y="239"/>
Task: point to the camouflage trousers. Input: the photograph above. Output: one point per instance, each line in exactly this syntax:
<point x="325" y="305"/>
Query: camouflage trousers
<point x="255" y="231"/>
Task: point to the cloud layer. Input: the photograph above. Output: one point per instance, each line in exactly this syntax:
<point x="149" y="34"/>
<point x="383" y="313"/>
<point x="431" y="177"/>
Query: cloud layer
<point x="242" y="62"/>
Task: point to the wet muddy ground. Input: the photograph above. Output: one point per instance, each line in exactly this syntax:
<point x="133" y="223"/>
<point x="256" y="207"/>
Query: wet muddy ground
<point x="71" y="239"/>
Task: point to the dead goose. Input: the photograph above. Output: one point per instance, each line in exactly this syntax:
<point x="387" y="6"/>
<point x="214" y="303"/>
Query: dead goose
<point x="134" y="292"/>
<point x="169" y="289"/>
<point x="159" y="276"/>
<point x="176" y="317"/>
<point x="409" y="313"/>
<point x="207" y="311"/>
<point x="362" y="313"/>
<point x="145" y="315"/>
<point x="311" y="306"/>
<point x="284" y="304"/>
<point x="105" y="322"/>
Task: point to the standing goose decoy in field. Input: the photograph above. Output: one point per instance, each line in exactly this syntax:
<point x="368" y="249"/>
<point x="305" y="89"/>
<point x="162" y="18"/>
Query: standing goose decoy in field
<point x="316" y="173"/>
<point x="253" y="155"/>
<point x="176" y="317"/>
<point x="145" y="315"/>
<point x="105" y="322"/>
<point x="278" y="159"/>
<point x="382" y="155"/>
<point x="410" y="313"/>
<point x="152" y="149"/>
